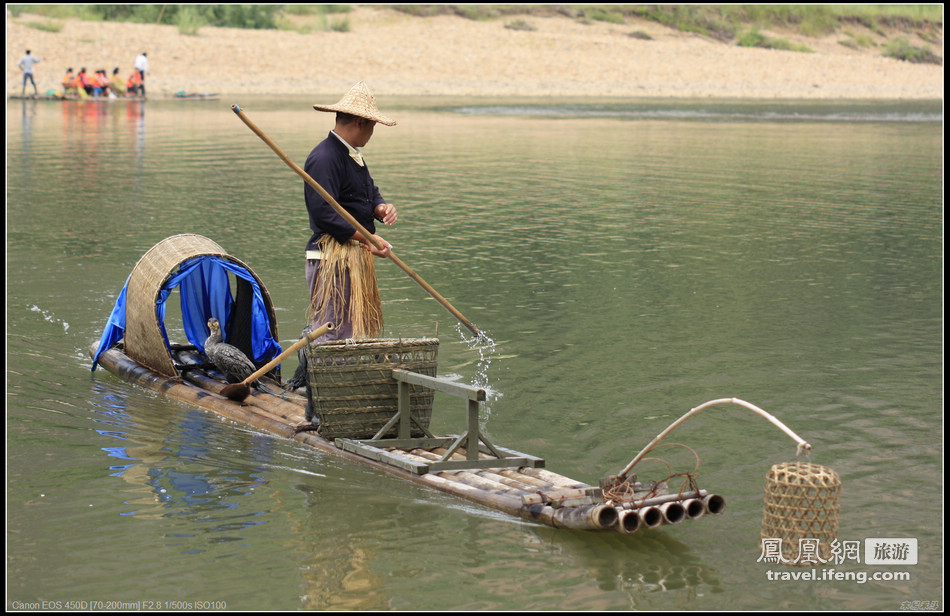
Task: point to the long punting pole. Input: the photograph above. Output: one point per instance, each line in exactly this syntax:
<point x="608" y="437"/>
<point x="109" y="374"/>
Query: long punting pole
<point x="356" y="225"/>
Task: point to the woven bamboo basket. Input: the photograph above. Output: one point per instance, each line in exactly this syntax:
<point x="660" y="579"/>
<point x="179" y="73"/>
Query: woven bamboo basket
<point x="352" y="390"/>
<point x="802" y="502"/>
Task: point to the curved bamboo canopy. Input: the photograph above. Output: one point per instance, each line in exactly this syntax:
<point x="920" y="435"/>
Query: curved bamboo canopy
<point x="145" y="338"/>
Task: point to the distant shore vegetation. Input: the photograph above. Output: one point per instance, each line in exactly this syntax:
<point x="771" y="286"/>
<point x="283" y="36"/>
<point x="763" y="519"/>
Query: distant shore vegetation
<point x="736" y="24"/>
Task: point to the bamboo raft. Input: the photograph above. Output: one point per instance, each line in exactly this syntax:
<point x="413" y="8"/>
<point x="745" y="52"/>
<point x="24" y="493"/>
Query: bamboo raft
<point x="399" y="442"/>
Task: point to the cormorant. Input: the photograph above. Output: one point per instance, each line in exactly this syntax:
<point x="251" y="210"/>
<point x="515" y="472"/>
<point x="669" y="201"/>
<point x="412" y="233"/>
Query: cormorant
<point x="230" y="360"/>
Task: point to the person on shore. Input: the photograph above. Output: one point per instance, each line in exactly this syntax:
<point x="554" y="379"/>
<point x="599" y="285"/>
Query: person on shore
<point x="117" y="83"/>
<point x="100" y="85"/>
<point x="134" y="85"/>
<point x="141" y="65"/>
<point x="85" y="81"/>
<point x="69" y="82"/>
<point x="26" y="65"/>
<point x="340" y="266"/>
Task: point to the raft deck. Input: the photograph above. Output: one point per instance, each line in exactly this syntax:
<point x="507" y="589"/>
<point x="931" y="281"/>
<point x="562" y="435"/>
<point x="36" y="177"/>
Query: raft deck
<point x="467" y="465"/>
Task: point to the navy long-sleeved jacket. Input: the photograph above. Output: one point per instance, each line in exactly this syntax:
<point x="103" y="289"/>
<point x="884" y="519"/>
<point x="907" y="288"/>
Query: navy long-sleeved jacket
<point x="332" y="167"/>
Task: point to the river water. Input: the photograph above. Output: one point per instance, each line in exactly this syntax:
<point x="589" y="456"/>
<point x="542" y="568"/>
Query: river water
<point x="630" y="260"/>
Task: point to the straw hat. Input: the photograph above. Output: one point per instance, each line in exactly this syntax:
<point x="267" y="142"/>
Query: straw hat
<point x="359" y="102"/>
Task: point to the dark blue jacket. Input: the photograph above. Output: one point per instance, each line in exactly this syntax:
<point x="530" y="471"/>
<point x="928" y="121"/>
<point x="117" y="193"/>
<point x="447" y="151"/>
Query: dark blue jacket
<point x="332" y="167"/>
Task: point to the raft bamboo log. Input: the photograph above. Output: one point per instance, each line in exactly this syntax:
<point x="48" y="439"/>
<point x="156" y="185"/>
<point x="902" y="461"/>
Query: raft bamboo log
<point x="588" y="517"/>
<point x="554" y="478"/>
<point x="714" y="504"/>
<point x="239" y="391"/>
<point x="537" y="484"/>
<point x="513" y="480"/>
<point x="802" y="444"/>
<point x="673" y="513"/>
<point x="650" y="517"/>
<point x="628" y="522"/>
<point x="664" y="498"/>
<point x="354" y="223"/>
<point x="269" y="405"/>
<point x="694" y="508"/>
<point x="508" y="481"/>
<point x="479" y="482"/>
<point x="565" y="497"/>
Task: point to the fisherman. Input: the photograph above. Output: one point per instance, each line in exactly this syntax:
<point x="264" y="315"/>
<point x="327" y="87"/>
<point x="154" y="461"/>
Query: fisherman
<point x="26" y="65"/>
<point x="340" y="269"/>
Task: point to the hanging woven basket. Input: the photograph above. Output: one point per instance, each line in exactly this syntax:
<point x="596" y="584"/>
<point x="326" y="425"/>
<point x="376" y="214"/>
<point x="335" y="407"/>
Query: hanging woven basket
<point x="802" y="502"/>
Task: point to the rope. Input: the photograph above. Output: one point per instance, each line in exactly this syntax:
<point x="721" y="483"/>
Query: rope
<point x="627" y="490"/>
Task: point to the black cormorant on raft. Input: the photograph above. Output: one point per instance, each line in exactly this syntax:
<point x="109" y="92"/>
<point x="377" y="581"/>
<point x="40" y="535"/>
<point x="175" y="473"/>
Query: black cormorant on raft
<point x="230" y="360"/>
<point x="373" y="398"/>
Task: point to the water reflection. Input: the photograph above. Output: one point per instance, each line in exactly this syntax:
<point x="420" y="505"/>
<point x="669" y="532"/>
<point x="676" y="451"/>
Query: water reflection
<point x="338" y="568"/>
<point x="189" y="477"/>
<point x="651" y="569"/>
<point x="91" y="131"/>
<point x="27" y="116"/>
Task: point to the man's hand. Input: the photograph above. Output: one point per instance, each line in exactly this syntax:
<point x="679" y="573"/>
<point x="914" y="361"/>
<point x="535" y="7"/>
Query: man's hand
<point x="383" y="252"/>
<point x="386" y="212"/>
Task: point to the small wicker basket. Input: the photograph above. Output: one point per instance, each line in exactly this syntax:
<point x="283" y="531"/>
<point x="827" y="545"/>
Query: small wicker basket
<point x="351" y="386"/>
<point x="802" y="501"/>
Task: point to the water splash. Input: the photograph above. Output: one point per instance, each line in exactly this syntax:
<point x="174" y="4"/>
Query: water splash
<point x="50" y="318"/>
<point x="486" y="348"/>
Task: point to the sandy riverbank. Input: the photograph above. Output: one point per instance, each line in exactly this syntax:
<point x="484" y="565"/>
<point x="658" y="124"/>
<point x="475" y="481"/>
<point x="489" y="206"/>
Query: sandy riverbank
<point x="397" y="54"/>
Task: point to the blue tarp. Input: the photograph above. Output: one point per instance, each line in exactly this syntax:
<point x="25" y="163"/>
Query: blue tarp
<point x="205" y="292"/>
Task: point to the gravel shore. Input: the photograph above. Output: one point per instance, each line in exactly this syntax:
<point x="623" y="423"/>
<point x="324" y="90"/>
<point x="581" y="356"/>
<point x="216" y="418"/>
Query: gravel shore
<point x="397" y="54"/>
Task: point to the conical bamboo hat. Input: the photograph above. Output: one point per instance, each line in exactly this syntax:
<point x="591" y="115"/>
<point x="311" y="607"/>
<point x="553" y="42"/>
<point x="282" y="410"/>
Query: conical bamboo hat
<point x="359" y="102"/>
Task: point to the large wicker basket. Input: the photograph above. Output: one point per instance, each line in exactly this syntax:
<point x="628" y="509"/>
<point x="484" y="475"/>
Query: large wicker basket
<point x="351" y="386"/>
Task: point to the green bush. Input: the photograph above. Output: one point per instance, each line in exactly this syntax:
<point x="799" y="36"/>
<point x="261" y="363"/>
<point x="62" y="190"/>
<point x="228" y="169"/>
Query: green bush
<point x="753" y="38"/>
<point x="901" y="49"/>
<point x="45" y="26"/>
<point x="189" y="21"/>
<point x="340" y="25"/>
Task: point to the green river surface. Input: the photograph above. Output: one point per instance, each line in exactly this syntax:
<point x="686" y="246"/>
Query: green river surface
<point x="629" y="259"/>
